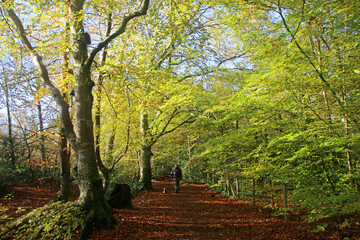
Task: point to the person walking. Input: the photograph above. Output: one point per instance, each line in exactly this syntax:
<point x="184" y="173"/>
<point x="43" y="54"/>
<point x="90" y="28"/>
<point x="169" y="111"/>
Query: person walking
<point x="176" y="176"/>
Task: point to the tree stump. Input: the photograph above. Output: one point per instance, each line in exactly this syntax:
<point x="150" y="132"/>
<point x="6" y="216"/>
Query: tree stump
<point x="120" y="197"/>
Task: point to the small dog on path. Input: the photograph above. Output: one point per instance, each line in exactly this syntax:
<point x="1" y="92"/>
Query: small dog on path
<point x="165" y="191"/>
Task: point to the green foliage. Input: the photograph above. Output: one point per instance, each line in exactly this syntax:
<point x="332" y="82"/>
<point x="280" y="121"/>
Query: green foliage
<point x="292" y="118"/>
<point x="8" y="173"/>
<point x="319" y="228"/>
<point x="53" y="221"/>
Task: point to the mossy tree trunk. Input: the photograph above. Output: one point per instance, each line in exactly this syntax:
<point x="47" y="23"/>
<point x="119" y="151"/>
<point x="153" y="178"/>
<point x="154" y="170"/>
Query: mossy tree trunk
<point x="90" y="183"/>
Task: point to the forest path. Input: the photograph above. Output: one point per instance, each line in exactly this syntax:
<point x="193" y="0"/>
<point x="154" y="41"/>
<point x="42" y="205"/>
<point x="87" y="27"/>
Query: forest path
<point x="195" y="213"/>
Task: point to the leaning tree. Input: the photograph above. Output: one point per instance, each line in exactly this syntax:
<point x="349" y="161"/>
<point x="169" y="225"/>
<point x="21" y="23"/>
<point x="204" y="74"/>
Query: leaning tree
<point x="80" y="134"/>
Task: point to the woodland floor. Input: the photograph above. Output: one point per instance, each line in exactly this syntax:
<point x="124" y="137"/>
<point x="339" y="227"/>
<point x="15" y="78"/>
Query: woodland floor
<point x="194" y="213"/>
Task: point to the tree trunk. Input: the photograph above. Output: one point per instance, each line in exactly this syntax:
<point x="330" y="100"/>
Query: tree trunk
<point x="286" y="216"/>
<point x="104" y="170"/>
<point x="145" y="167"/>
<point x="228" y="186"/>
<point x="189" y="175"/>
<point x="232" y="188"/>
<point x="42" y="132"/>
<point x="90" y="183"/>
<point x="11" y="140"/>
<point x="237" y="187"/>
<point x="64" y="148"/>
<point x="109" y="158"/>
<point x="272" y="193"/>
<point x="145" y="153"/>
<point x="64" y="168"/>
<point x="253" y="191"/>
<point x="29" y="151"/>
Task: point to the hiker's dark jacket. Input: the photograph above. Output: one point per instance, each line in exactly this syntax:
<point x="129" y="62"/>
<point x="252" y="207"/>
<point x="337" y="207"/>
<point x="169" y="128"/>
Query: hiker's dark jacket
<point x="176" y="173"/>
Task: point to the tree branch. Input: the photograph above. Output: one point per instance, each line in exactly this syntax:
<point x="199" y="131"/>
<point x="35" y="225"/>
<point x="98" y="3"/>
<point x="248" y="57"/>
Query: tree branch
<point x="45" y="79"/>
<point x="189" y="120"/>
<point x="118" y="32"/>
<point x="127" y="139"/>
<point x="318" y="72"/>
<point x="164" y="132"/>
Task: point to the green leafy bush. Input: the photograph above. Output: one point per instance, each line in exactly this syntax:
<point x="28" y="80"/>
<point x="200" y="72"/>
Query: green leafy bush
<point x="53" y="221"/>
<point x="8" y="174"/>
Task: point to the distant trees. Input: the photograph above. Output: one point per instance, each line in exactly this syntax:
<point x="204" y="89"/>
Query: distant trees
<point x="292" y="119"/>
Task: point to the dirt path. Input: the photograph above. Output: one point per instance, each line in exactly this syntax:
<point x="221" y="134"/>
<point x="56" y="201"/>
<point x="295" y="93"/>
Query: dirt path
<point x="195" y="213"/>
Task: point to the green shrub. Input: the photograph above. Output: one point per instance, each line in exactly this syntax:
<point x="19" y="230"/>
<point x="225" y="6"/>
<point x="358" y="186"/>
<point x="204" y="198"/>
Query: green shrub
<point x="9" y="174"/>
<point x="53" y="221"/>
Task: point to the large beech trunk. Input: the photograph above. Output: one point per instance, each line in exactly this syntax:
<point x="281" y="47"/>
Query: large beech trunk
<point x="145" y="153"/>
<point x="145" y="167"/>
<point x="90" y="182"/>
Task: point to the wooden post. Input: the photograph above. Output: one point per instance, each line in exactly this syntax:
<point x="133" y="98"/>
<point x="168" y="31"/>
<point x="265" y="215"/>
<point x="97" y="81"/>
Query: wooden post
<point x="227" y="186"/>
<point x="286" y="216"/>
<point x="253" y="191"/>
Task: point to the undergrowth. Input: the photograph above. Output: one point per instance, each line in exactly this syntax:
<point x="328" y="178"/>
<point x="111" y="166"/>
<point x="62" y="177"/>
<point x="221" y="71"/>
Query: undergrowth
<point x="53" y="221"/>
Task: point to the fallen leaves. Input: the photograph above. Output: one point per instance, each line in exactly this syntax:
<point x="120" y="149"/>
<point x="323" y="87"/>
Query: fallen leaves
<point x="194" y="213"/>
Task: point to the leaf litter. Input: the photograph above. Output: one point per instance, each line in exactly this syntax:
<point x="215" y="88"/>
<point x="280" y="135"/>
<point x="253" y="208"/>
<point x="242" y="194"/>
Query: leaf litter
<point x="194" y="213"/>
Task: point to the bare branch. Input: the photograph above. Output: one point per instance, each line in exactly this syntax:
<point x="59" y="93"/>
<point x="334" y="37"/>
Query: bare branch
<point x="118" y="32"/>
<point x="45" y="79"/>
<point x="127" y="139"/>
<point x="164" y="132"/>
